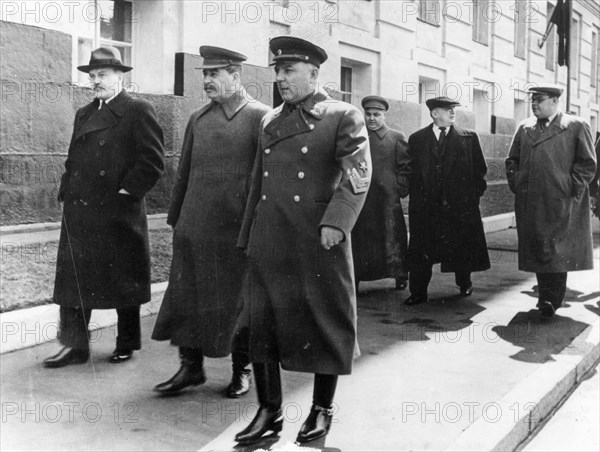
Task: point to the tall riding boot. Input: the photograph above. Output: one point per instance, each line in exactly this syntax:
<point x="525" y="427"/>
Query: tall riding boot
<point x="240" y="378"/>
<point x="191" y="372"/>
<point x="269" y="417"/>
<point x="318" y="422"/>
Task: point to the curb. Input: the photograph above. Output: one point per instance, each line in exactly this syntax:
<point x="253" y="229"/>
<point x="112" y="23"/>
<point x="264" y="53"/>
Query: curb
<point x="25" y="328"/>
<point x="545" y="389"/>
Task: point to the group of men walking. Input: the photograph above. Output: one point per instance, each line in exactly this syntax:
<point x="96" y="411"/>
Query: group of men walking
<point x="314" y="202"/>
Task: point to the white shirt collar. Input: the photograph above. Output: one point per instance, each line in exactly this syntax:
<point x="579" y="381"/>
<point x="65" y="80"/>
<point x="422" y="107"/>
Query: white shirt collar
<point x="437" y="131"/>
<point x="102" y="102"/>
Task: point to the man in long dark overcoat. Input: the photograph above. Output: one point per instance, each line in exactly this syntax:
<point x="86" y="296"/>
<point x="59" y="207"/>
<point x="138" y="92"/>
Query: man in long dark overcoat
<point x="550" y="164"/>
<point x="379" y="238"/>
<point x="447" y="180"/>
<point x="200" y="307"/>
<point x="115" y="158"/>
<point x="310" y="180"/>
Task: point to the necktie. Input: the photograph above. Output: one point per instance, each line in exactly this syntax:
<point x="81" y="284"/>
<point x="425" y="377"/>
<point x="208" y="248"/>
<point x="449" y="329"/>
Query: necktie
<point x="542" y="123"/>
<point x="442" y="138"/>
<point x="100" y="104"/>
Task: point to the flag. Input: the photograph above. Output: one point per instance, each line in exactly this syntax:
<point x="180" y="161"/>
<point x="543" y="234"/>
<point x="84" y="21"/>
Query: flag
<point x="561" y="17"/>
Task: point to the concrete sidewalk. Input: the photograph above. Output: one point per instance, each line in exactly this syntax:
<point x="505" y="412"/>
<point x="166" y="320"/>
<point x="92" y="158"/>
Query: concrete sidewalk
<point x="478" y="373"/>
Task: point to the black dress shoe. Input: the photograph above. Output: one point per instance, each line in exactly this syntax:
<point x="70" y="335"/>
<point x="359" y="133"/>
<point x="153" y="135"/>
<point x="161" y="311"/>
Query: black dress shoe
<point x="189" y="374"/>
<point x="316" y="425"/>
<point x="466" y="291"/>
<point x="266" y="423"/>
<point x="546" y="308"/>
<point x="120" y="356"/>
<point x="66" y="356"/>
<point x="416" y="299"/>
<point x="240" y="384"/>
<point x="401" y="284"/>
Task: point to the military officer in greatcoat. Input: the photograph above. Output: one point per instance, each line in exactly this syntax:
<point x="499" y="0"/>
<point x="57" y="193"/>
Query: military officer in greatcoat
<point x="379" y="238"/>
<point x="310" y="180"/>
<point x="447" y="179"/>
<point x="201" y="304"/>
<point x="114" y="159"/>
<point x="550" y="164"/>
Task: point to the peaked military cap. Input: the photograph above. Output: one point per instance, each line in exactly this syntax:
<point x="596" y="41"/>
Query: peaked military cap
<point x="375" y="102"/>
<point x="105" y="56"/>
<point x="217" y="57"/>
<point x="441" y="102"/>
<point x="549" y="89"/>
<point x="289" y="48"/>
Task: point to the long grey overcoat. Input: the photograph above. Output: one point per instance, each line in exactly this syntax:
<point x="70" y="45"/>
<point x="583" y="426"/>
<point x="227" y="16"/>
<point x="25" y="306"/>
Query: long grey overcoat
<point x="312" y="169"/>
<point x="379" y="238"/>
<point x="200" y="306"/>
<point x="103" y="257"/>
<point x="549" y="172"/>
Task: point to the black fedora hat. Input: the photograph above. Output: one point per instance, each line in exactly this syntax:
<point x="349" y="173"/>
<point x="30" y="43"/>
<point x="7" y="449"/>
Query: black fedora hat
<point x="105" y="56"/>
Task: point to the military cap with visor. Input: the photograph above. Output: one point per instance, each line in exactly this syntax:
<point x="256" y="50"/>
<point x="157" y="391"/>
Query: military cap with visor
<point x="289" y="48"/>
<point x="441" y="102"/>
<point x="377" y="102"/>
<point x="548" y="89"/>
<point x="218" y="57"/>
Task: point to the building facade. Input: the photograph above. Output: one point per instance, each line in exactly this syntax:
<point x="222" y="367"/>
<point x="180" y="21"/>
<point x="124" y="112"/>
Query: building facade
<point x="484" y="53"/>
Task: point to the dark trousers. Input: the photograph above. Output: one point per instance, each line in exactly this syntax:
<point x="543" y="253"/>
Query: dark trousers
<point x="420" y="276"/>
<point x="239" y="351"/>
<point x="552" y="287"/>
<point x="74" y="324"/>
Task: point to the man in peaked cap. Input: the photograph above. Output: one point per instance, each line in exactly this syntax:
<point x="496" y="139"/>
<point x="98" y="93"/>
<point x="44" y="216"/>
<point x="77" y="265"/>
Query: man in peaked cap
<point x="114" y="159"/>
<point x="310" y="180"/>
<point x="379" y="238"/>
<point x="447" y="179"/>
<point x="201" y="304"/>
<point x="550" y="164"/>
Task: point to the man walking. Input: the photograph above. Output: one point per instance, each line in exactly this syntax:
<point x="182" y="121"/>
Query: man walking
<point x="201" y="304"/>
<point x="447" y="180"/>
<point x="115" y="158"/>
<point x="549" y="167"/>
<point x="379" y="237"/>
<point x="310" y="180"/>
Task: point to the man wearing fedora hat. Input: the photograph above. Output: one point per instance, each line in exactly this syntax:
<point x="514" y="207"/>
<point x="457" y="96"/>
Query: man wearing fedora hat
<point x="114" y="159"/>
<point x="310" y="180"/>
<point x="379" y="237"/>
<point x="201" y="304"/>
<point x="447" y="179"/>
<point x="550" y="164"/>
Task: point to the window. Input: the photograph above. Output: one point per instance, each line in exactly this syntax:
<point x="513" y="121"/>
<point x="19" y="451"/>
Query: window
<point x="594" y="68"/>
<point x="429" y="11"/>
<point x="346" y="84"/>
<point x="113" y="27"/>
<point x="550" y="41"/>
<point x="520" y="29"/>
<point x="575" y="45"/>
<point x="480" y="21"/>
<point x="482" y="106"/>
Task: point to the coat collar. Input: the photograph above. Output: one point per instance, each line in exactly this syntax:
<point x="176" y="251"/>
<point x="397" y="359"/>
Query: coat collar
<point x="381" y="132"/>
<point x="558" y="125"/>
<point x="231" y="106"/>
<point x="93" y="120"/>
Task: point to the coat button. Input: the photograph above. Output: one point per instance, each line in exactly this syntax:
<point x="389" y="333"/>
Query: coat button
<point x="304" y="150"/>
<point x="102" y="142"/>
<point x="266" y="174"/>
<point x="263" y="197"/>
<point x="296" y="198"/>
<point x="311" y="127"/>
<point x="300" y="175"/>
<point x="267" y="151"/>
<point x="102" y="173"/>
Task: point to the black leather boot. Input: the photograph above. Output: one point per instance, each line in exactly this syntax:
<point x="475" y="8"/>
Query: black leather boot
<point x="66" y="356"/>
<point x="318" y="422"/>
<point x="191" y="373"/>
<point x="269" y="417"/>
<point x="240" y="383"/>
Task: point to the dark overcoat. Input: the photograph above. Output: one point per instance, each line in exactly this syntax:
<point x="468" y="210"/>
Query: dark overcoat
<point x="103" y="257"/>
<point x="200" y="306"/>
<point x="312" y="169"/>
<point x="379" y="238"/>
<point x="448" y="228"/>
<point x="549" y="172"/>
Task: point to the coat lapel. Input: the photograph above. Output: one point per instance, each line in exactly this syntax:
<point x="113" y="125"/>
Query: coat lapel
<point x="555" y="127"/>
<point x="453" y="144"/>
<point x="283" y="126"/>
<point x="428" y="137"/>
<point x="93" y="119"/>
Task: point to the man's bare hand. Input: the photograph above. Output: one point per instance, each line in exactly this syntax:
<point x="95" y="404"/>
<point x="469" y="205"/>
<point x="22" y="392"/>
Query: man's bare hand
<point x="330" y="237"/>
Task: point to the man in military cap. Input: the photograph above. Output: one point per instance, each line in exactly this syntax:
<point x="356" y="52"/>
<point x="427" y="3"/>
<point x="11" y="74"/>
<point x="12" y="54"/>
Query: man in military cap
<point x="447" y="180"/>
<point x="114" y="159"/>
<point x="201" y="304"/>
<point x="549" y="167"/>
<point x="309" y="183"/>
<point x="379" y="237"/>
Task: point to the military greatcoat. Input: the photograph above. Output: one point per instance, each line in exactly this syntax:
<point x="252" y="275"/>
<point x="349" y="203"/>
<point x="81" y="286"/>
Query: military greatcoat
<point x="312" y="169"/>
<point x="103" y="257"/>
<point x="200" y="306"/>
<point x="379" y="238"/>
<point x="549" y="172"/>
